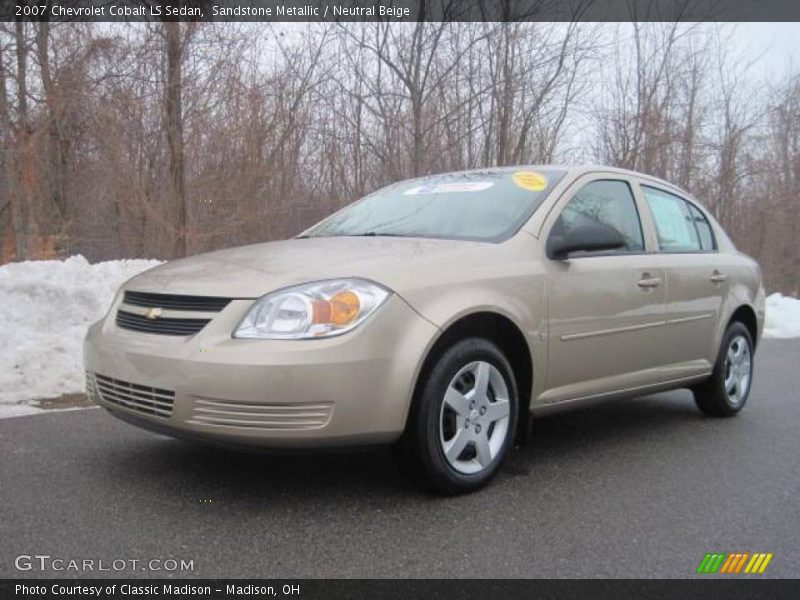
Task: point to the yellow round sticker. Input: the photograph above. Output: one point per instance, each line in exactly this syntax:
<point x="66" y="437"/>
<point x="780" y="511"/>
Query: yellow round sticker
<point x="530" y="180"/>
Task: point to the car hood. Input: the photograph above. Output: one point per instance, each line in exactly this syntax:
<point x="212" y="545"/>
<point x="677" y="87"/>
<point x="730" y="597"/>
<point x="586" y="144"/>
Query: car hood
<point x="254" y="270"/>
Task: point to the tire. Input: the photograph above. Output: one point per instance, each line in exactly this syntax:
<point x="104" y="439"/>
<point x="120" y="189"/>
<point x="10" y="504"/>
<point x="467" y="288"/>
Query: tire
<point x="454" y="409"/>
<point x="726" y="391"/>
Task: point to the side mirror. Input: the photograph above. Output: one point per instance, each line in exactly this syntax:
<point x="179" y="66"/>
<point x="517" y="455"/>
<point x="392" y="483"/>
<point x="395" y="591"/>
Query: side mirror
<point x="592" y="237"/>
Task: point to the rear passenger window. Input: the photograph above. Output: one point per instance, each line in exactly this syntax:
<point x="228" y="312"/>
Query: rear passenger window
<point x="607" y="202"/>
<point x="703" y="228"/>
<point x="674" y="223"/>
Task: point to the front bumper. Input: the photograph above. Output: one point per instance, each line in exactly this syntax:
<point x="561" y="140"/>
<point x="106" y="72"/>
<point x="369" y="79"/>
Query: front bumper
<point x="347" y="390"/>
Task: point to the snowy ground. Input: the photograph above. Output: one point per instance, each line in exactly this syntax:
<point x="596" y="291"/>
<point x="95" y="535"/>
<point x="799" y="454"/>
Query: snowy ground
<point x="783" y="317"/>
<point x="46" y="306"/>
<point x="45" y="309"/>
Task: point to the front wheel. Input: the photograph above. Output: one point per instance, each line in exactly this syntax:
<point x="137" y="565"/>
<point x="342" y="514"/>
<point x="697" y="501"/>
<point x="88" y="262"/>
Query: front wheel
<point x="464" y="418"/>
<point x="726" y="391"/>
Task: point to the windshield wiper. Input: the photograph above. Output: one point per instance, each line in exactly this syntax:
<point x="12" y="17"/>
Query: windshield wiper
<point x="374" y="234"/>
<point x="364" y="234"/>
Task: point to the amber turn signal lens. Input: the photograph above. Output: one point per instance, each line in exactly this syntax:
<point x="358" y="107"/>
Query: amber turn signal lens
<point x="344" y="307"/>
<point x="340" y="310"/>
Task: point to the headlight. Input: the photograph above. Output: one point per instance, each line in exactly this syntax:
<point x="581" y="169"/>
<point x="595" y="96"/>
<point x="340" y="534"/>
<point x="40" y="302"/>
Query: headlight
<point x="313" y="310"/>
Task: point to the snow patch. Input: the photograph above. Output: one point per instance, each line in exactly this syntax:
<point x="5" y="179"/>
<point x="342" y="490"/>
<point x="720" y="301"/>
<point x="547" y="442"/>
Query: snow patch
<point x="23" y="410"/>
<point x="18" y="410"/>
<point x="783" y="317"/>
<point x="45" y="309"/>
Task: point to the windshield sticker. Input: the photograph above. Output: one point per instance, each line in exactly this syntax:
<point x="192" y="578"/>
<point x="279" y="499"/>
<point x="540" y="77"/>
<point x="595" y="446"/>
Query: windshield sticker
<point x="453" y="186"/>
<point x="530" y="180"/>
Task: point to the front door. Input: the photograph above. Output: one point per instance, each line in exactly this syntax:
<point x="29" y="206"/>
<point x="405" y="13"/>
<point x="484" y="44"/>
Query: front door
<point x="606" y="310"/>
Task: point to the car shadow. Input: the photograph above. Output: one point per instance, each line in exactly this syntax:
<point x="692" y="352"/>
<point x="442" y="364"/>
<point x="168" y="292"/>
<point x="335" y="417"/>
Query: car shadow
<point x="230" y="475"/>
<point x="597" y="427"/>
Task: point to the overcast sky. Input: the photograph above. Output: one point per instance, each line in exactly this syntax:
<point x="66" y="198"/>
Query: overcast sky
<point x="779" y="43"/>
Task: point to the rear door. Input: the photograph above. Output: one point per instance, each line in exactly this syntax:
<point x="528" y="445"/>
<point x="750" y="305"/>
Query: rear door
<point x="695" y="281"/>
<point x="606" y="309"/>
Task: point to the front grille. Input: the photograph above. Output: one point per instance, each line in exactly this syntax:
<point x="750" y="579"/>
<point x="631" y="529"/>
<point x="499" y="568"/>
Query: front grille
<point x="161" y="325"/>
<point x="174" y="302"/>
<point x="141" y="398"/>
<point x="267" y="417"/>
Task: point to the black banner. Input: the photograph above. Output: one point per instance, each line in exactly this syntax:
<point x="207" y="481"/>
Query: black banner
<point x="461" y="589"/>
<point x="400" y="10"/>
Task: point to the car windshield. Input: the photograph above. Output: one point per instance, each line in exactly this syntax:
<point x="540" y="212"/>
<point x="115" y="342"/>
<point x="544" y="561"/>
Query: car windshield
<point x="474" y="205"/>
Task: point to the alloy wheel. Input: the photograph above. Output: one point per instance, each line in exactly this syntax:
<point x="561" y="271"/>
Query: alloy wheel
<point x="738" y="368"/>
<point x="474" y="417"/>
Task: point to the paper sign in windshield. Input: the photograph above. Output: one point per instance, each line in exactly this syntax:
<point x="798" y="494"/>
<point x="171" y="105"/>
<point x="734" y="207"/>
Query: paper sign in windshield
<point x="448" y="188"/>
<point x="530" y="180"/>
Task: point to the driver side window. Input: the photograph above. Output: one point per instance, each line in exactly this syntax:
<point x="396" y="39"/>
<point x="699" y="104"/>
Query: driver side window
<point x="605" y="202"/>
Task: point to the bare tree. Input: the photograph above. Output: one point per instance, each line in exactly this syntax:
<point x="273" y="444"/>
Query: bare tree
<point x="233" y="132"/>
<point x="7" y="193"/>
<point x="774" y="202"/>
<point x="173" y="117"/>
<point x="22" y="204"/>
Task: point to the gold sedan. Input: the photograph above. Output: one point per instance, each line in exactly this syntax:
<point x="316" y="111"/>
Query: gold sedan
<point x="437" y="314"/>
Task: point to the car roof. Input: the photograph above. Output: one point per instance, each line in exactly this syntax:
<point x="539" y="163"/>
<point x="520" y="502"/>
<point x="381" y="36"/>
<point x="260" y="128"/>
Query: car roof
<point x="592" y="168"/>
<point x="574" y="171"/>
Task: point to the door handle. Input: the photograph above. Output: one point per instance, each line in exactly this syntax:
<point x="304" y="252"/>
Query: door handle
<point x="648" y="282"/>
<point x="717" y="277"/>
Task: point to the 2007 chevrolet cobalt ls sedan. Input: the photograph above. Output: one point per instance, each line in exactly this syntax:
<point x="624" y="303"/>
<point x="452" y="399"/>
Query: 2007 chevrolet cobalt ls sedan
<point x="436" y="313"/>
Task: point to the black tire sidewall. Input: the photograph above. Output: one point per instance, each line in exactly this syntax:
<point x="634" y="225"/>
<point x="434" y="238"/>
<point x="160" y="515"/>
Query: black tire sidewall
<point x="735" y="329"/>
<point x="440" y="472"/>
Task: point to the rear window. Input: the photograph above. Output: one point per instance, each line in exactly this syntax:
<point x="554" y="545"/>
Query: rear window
<point x="674" y="222"/>
<point x="474" y="205"/>
<point x="703" y="228"/>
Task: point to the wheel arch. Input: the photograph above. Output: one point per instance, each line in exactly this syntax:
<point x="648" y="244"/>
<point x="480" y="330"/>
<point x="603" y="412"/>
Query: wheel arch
<point x="746" y="315"/>
<point x="508" y="337"/>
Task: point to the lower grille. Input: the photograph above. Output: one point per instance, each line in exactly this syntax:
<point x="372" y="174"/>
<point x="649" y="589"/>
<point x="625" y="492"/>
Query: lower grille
<point x="141" y="398"/>
<point x="221" y="413"/>
<point x="161" y="325"/>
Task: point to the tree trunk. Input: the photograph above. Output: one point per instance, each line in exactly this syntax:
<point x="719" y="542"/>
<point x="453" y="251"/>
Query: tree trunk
<point x="174" y="126"/>
<point x="21" y="207"/>
<point x="56" y="160"/>
<point x="8" y="246"/>
<point x="505" y="100"/>
<point x="418" y="147"/>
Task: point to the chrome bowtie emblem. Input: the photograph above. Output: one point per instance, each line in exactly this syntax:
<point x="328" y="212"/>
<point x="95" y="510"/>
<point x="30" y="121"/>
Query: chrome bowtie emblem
<point x="153" y="313"/>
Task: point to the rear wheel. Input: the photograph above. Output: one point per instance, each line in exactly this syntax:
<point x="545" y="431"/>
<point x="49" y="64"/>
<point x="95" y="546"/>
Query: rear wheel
<point x="726" y="391"/>
<point x="464" y="418"/>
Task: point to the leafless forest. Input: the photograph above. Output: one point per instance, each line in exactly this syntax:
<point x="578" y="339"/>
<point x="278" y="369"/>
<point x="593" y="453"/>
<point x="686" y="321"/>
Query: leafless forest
<point x="165" y="139"/>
